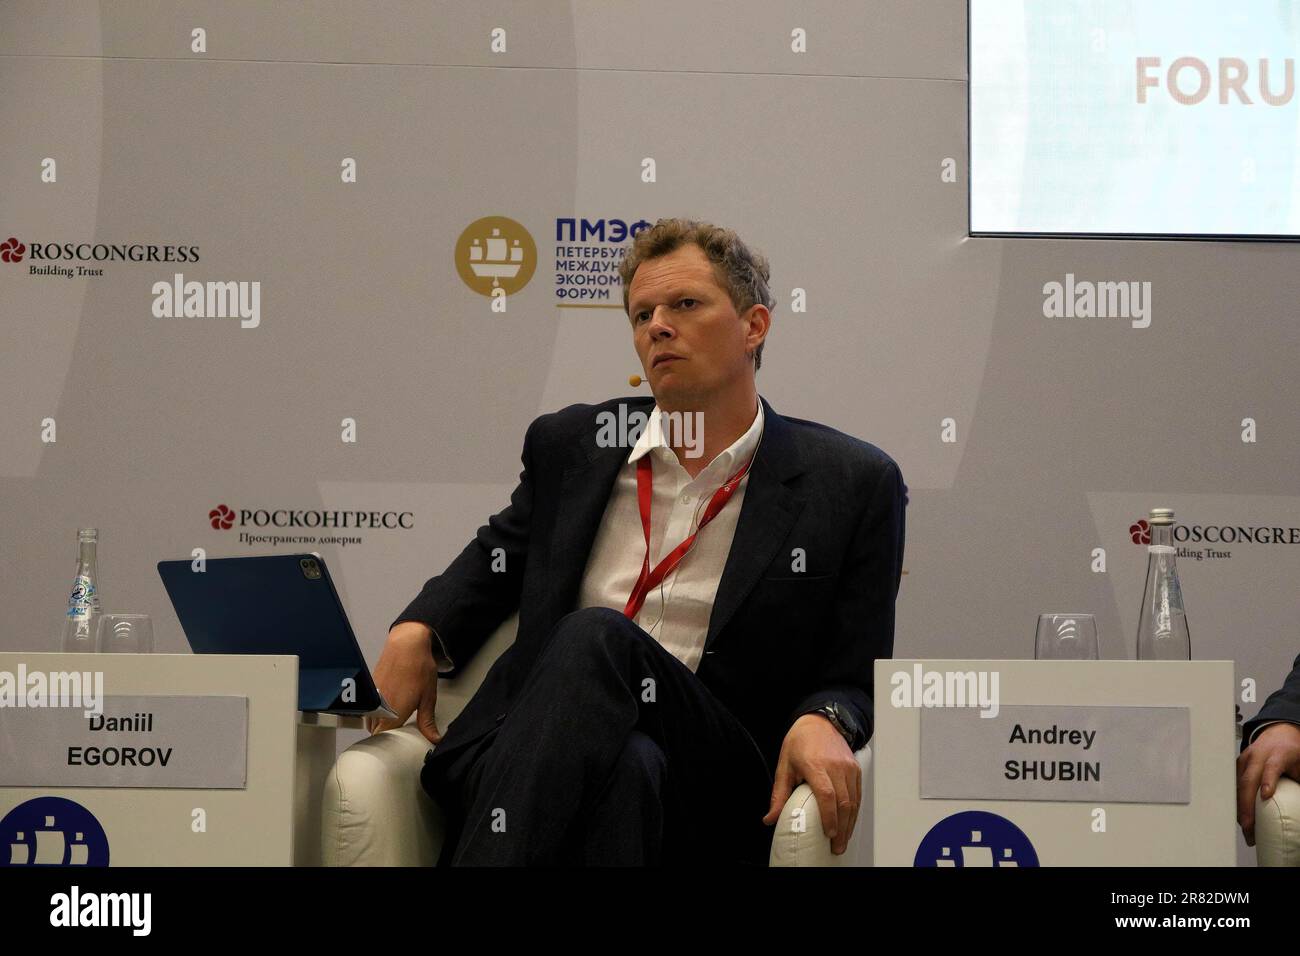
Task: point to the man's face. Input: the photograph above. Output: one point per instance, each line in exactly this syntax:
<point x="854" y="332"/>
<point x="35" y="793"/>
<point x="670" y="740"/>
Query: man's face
<point x="676" y="307"/>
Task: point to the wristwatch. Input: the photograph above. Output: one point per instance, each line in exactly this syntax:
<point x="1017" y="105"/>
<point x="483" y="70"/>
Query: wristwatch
<point x="842" y="721"/>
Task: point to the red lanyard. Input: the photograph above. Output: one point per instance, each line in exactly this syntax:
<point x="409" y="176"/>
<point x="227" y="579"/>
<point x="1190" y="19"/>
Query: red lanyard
<point x="649" y="579"/>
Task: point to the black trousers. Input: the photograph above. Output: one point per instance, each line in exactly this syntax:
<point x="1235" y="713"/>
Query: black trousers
<point x="612" y="753"/>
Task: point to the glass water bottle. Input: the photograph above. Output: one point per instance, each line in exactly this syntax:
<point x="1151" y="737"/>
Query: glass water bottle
<point x="1162" y="626"/>
<point x="83" y="603"/>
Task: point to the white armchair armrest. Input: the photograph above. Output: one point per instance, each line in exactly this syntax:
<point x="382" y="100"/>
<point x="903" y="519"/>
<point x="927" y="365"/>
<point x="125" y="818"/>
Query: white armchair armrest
<point x="1277" y="826"/>
<point x="799" y="839"/>
<point x="375" y="812"/>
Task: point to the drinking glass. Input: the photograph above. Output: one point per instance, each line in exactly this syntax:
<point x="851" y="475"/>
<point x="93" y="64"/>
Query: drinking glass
<point x="1066" y="637"/>
<point x="125" y="634"/>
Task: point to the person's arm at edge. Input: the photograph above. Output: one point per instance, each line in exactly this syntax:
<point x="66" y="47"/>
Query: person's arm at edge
<point x="1282" y="704"/>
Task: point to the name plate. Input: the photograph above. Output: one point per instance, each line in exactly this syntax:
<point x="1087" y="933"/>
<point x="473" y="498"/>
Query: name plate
<point x="1046" y="752"/>
<point x="155" y="742"/>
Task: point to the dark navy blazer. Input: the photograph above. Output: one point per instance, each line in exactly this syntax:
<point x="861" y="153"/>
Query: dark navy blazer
<point x="780" y="643"/>
<point x="1283" y="704"/>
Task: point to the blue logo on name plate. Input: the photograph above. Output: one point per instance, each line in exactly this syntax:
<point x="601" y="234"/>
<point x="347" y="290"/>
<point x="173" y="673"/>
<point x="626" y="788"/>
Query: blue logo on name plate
<point x="975" y="838"/>
<point x="51" y="831"/>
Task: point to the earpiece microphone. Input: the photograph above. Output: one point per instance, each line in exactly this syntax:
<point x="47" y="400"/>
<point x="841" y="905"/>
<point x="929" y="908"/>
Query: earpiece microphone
<point x="634" y="380"/>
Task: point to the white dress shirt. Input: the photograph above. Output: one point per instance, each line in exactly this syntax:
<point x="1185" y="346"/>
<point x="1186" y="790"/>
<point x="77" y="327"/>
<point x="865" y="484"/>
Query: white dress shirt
<point x="676" y="612"/>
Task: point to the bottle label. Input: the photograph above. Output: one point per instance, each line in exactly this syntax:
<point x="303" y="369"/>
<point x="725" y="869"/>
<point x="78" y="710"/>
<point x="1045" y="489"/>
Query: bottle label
<point x="1160" y="549"/>
<point x="83" y="598"/>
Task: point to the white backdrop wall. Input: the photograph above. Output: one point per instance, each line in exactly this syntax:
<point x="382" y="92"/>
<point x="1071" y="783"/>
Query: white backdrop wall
<point x="460" y="117"/>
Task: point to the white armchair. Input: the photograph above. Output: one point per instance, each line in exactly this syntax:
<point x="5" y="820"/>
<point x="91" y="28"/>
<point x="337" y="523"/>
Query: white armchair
<point x="376" y="813"/>
<point x="1277" y="826"/>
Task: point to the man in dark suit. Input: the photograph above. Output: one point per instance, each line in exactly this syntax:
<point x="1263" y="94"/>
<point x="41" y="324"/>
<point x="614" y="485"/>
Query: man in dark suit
<point x="1270" y="748"/>
<point x="697" y="625"/>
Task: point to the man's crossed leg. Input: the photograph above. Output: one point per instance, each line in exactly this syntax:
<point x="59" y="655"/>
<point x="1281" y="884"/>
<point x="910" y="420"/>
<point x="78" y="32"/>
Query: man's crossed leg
<point x="612" y="753"/>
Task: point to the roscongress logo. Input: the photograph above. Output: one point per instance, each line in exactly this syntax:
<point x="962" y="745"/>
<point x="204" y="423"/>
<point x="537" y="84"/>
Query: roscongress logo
<point x="1185" y="535"/>
<point x="223" y="518"/>
<point x="1140" y="532"/>
<point x="11" y="250"/>
<point x="82" y="257"/>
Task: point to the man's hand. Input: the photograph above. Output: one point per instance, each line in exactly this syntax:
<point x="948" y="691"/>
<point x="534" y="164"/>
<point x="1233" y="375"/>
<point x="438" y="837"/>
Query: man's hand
<point x="814" y="752"/>
<point x="407" y="677"/>
<point x="1276" y="751"/>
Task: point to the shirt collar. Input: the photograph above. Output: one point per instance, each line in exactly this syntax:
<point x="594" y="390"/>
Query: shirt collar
<point x="728" y="460"/>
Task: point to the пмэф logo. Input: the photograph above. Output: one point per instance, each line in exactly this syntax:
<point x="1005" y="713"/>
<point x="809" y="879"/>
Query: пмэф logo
<point x="975" y="838"/>
<point x="52" y="831"/>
